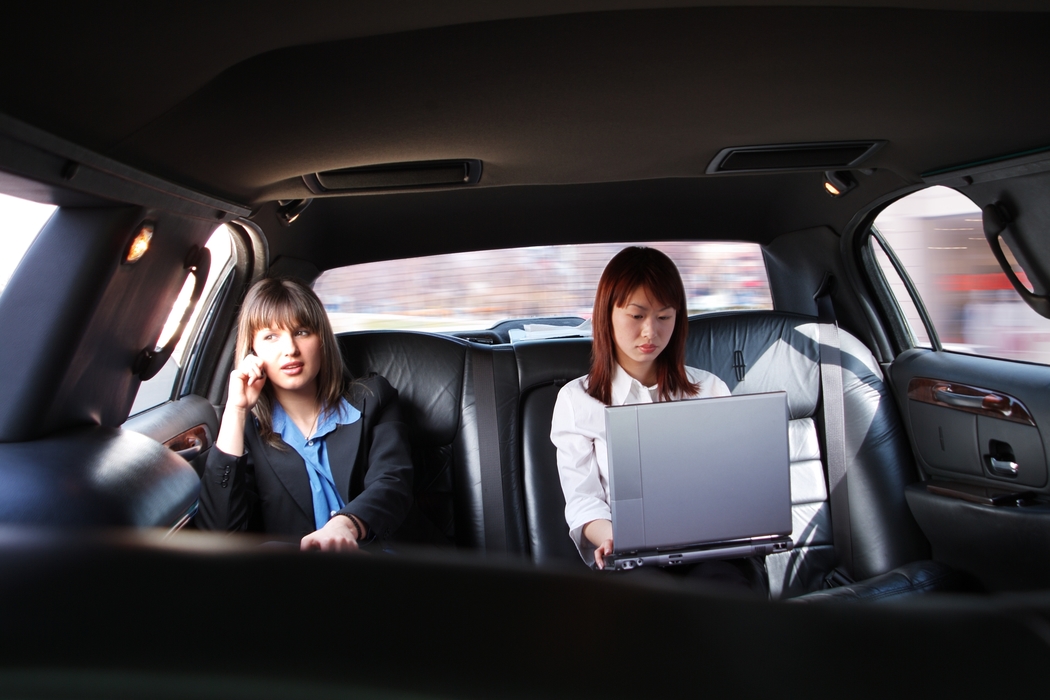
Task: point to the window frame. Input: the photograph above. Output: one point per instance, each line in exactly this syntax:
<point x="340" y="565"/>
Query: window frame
<point x="196" y="335"/>
<point x="902" y="332"/>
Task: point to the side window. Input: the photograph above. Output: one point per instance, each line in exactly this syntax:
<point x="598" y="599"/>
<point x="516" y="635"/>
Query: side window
<point x="159" y="389"/>
<point x="938" y="237"/>
<point x="21" y="220"/>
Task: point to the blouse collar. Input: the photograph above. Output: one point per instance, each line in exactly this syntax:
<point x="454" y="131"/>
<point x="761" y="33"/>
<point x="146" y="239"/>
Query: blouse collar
<point x="626" y="389"/>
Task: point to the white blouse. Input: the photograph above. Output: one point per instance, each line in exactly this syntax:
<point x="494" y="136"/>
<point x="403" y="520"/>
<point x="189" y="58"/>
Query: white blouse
<point x="578" y="432"/>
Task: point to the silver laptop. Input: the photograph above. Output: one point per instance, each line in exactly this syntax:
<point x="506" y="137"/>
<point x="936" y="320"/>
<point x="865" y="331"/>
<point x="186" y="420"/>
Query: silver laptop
<point x="700" y="479"/>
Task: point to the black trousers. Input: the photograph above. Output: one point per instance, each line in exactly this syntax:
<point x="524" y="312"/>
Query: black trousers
<point x="745" y="576"/>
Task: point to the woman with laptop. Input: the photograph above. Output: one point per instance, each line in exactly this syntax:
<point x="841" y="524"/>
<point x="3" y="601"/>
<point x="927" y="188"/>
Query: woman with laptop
<point x="640" y="322"/>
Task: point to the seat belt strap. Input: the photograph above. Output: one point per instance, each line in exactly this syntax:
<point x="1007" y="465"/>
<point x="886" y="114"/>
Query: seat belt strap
<point x="489" y="452"/>
<point x="834" y="426"/>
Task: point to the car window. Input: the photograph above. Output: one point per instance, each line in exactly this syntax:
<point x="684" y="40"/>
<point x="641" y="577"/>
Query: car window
<point x="21" y="221"/>
<point x="476" y="290"/>
<point x="158" y="389"/>
<point x="938" y="236"/>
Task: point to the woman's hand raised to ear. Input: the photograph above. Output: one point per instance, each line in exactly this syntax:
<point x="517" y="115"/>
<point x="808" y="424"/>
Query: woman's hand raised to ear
<point x="246" y="383"/>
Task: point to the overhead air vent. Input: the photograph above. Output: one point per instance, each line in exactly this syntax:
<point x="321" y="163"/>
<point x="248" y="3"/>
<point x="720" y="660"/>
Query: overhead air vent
<point x="832" y="155"/>
<point x="435" y="173"/>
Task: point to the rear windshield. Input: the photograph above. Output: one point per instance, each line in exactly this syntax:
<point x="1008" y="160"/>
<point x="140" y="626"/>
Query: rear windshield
<point x="477" y="290"/>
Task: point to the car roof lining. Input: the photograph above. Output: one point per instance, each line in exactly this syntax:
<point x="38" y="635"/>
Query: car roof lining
<point x="591" y="125"/>
<point x="104" y="48"/>
<point x="337" y="231"/>
<point x="554" y="99"/>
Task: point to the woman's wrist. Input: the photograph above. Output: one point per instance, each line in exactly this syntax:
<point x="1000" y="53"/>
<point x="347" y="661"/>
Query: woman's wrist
<point x="598" y="531"/>
<point x="231" y="431"/>
<point x="236" y="412"/>
<point x="357" y="525"/>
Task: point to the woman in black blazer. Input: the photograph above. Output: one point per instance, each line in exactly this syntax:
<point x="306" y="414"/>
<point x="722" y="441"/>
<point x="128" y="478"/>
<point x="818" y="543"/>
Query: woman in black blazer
<point x="300" y="452"/>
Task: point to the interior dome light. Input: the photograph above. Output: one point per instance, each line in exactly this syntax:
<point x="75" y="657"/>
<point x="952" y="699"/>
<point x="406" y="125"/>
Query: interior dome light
<point x="139" y="244"/>
<point x="839" y="182"/>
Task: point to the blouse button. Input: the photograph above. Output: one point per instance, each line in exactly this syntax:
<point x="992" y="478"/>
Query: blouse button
<point x="310" y="443"/>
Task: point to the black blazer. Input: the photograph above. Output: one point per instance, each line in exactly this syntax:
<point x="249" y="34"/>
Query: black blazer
<point x="268" y="490"/>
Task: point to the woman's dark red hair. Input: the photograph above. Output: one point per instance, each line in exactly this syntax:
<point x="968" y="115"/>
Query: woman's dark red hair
<point x="652" y="270"/>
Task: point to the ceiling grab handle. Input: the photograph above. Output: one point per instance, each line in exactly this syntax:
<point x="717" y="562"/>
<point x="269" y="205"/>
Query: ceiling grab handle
<point x="996" y="219"/>
<point x="149" y="362"/>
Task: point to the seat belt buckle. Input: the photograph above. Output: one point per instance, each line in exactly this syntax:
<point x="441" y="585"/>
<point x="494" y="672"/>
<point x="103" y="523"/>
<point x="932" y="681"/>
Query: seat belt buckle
<point x="837" y="578"/>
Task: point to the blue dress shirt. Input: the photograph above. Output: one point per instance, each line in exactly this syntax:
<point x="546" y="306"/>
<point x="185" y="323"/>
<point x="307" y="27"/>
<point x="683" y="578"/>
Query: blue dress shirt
<point x="314" y="453"/>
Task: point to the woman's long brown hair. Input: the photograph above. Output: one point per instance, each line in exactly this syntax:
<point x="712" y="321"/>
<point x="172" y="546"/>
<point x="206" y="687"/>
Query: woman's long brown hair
<point x="290" y="304"/>
<point x="653" y="271"/>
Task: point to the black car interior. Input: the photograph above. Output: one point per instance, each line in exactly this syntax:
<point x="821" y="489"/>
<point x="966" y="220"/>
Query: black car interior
<point x="335" y="133"/>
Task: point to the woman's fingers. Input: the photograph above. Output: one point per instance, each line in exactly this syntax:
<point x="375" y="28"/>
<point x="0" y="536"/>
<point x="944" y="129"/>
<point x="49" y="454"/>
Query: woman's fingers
<point x="251" y="369"/>
<point x="246" y="382"/>
<point x="602" y="551"/>
<point x="335" y="536"/>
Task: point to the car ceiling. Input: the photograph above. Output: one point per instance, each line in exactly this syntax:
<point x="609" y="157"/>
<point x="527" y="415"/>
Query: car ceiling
<point x="578" y="110"/>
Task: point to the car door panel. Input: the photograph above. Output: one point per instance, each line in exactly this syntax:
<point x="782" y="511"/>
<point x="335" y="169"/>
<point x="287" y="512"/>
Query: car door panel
<point x="964" y="429"/>
<point x="957" y="441"/>
<point x="187" y="427"/>
<point x="971" y="443"/>
<point x="1004" y="547"/>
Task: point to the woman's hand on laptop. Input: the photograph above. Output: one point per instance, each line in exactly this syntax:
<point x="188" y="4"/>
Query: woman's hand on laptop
<point x="603" y="550"/>
<point x="600" y="534"/>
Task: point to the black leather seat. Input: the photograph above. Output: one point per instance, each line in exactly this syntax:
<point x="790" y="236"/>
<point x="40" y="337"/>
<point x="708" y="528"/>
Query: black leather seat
<point x="434" y="378"/>
<point x="756" y="352"/>
<point x="769" y="351"/>
<point x="753" y="352"/>
<point x="544" y="366"/>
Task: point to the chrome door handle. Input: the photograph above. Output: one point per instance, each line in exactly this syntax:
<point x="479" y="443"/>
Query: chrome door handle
<point x="987" y="402"/>
<point x="943" y="393"/>
<point x="1002" y="467"/>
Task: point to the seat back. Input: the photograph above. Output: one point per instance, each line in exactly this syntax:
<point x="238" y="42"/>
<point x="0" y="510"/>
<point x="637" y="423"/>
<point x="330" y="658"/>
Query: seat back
<point x="544" y="366"/>
<point x="756" y="352"/>
<point x="427" y="371"/>
<point x="434" y="378"/>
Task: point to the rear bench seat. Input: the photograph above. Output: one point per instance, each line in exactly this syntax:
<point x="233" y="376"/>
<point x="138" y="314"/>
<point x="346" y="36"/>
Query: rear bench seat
<point x="757" y="352"/>
<point x="752" y="352"/>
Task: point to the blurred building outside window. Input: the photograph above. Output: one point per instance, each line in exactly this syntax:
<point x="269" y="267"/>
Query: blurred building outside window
<point x="476" y="290"/>
<point x="938" y="235"/>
